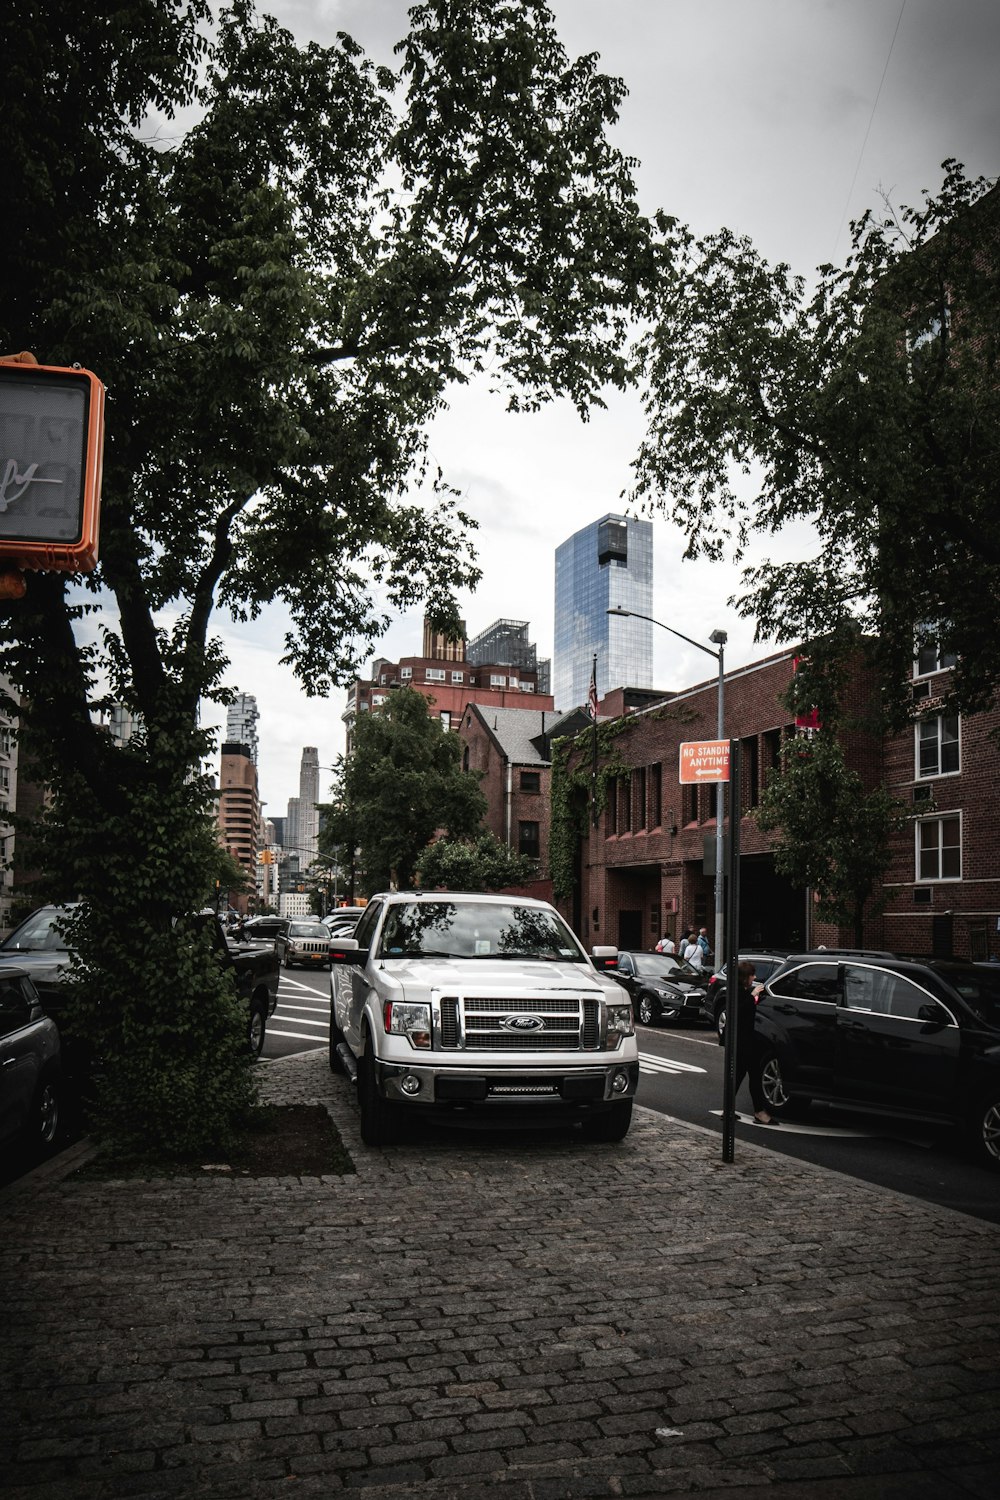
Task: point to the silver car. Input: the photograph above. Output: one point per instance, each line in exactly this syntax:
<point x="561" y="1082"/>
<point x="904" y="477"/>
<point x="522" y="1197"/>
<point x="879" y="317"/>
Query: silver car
<point x="29" y="1066"/>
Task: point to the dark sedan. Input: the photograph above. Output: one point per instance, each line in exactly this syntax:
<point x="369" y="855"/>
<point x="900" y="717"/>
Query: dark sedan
<point x="913" y="1038"/>
<point x="663" y="988"/>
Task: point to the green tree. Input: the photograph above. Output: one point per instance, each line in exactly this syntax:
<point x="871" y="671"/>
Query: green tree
<point x="831" y="835"/>
<point x="482" y="863"/>
<point x="867" y="404"/>
<point x="405" y="783"/>
<point x="278" y="299"/>
<point x="228" y="878"/>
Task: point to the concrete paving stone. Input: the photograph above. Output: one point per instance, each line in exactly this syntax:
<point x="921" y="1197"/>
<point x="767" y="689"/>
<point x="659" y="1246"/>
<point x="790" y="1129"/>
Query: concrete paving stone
<point x="184" y="1275"/>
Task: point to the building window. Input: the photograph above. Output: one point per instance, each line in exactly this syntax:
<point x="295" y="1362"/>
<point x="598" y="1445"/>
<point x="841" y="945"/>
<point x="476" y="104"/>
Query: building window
<point x="655" y="796"/>
<point x="939" y="848"/>
<point x="938" y="746"/>
<point x="626" y="811"/>
<point x="434" y="674"/>
<point x="445" y="717"/>
<point x="406" y="673"/>
<point x="512" y="682"/>
<point x="639" y="782"/>
<point x="531" y="781"/>
<point x="690" y="804"/>
<point x="527" y="839"/>
<point x="497" y="682"/>
<point x="378" y="698"/>
<point x="458" y="676"/>
<point x="751" y="771"/>
<point x="931" y="658"/>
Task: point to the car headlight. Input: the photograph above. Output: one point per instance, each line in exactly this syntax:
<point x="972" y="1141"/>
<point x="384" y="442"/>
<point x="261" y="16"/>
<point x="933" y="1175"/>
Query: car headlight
<point x="620" y="1020"/>
<point x="410" y="1019"/>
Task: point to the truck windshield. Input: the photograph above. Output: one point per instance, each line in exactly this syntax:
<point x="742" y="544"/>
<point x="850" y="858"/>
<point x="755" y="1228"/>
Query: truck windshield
<point x="471" y="929"/>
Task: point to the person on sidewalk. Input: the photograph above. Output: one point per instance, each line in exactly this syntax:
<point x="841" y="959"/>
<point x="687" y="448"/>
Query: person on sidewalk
<point x="747" y="991"/>
<point x="666" y="944"/>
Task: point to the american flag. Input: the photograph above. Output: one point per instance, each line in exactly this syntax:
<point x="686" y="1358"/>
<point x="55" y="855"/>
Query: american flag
<point x="592" y="695"/>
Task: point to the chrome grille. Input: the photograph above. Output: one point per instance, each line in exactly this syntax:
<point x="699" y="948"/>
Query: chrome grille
<point x="473" y="1023"/>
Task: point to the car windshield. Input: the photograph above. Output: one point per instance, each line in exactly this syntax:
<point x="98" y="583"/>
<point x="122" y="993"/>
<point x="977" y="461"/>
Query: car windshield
<point x="979" y="987"/>
<point x="307" y="930"/>
<point x="38" y="933"/>
<point x="473" y="929"/>
<point x="658" y="966"/>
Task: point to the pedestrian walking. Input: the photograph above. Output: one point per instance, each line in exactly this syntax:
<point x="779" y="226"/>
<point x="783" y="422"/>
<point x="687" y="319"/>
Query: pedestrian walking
<point x="704" y="944"/>
<point x="666" y="944"/>
<point x="747" y="1054"/>
<point x="689" y="945"/>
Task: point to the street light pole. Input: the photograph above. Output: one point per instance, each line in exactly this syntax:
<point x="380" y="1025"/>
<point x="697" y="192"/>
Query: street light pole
<point x="718" y="638"/>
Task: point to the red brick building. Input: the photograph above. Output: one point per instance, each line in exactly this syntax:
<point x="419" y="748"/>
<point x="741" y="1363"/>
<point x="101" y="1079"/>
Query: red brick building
<point x="648" y="866"/>
<point x="511" y="748"/>
<point x="448" y="680"/>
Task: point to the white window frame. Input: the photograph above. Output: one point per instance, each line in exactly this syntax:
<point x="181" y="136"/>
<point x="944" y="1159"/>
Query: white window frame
<point x="434" y="674"/>
<point x="919" y="739"/>
<point x="445" y="717"/>
<point x="920" y="848"/>
<point x="497" y="681"/>
<point x="943" y="661"/>
<point x="406" y="673"/>
<point x="458" y="676"/>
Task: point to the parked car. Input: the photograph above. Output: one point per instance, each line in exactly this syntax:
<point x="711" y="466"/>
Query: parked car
<point x="38" y="946"/>
<point x="308" y="945"/>
<point x="663" y="988"/>
<point x="480" y="1007"/>
<point x="30" y="1066"/>
<point x="908" y="1037"/>
<point x="764" y="960"/>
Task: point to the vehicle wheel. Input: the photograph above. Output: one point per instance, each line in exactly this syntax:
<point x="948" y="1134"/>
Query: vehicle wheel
<point x="772" y="1085"/>
<point x="985" y="1130"/>
<point x="378" y="1117"/>
<point x="611" y="1124"/>
<point x="43" y="1122"/>
<point x="646" y="1011"/>
<point x="258" y="1026"/>
<point x="720" y="1025"/>
<point x="336" y="1037"/>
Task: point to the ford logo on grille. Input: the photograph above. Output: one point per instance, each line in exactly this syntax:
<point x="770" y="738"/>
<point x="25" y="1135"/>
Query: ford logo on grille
<point x="522" y="1023"/>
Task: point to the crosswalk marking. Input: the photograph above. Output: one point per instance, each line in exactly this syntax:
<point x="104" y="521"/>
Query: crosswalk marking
<point x="649" y="1062"/>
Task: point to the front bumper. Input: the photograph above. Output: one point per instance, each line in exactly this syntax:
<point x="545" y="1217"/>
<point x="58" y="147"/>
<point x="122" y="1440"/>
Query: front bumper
<point x="551" y="1085"/>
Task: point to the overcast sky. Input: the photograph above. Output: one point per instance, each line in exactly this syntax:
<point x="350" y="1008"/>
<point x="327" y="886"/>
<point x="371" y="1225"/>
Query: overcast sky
<point x="782" y="119"/>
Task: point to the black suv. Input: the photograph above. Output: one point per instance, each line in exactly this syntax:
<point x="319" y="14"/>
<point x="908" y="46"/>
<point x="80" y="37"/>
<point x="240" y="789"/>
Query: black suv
<point x="911" y="1037"/>
<point x="764" y="960"/>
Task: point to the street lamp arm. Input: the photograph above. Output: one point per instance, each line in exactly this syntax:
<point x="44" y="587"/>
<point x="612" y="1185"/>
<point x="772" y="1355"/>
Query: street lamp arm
<point x="635" y="615"/>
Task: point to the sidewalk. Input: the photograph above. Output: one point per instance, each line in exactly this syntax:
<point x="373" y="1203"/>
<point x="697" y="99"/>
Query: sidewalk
<point x="520" y="1320"/>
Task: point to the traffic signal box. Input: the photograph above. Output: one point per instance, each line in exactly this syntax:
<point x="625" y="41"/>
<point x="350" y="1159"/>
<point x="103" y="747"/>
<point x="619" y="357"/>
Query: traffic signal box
<point x="51" y="451"/>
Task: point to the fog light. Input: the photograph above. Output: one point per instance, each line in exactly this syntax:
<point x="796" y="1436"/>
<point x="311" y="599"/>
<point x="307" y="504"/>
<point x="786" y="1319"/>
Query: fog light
<point x="409" y="1083"/>
<point x="619" y="1083"/>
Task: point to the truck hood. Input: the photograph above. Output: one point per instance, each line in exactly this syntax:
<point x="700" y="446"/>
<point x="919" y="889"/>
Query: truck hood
<point x="417" y="977"/>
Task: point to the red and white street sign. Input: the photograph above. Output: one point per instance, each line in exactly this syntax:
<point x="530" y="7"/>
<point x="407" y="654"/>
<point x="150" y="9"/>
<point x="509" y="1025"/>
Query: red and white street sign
<point x="704" y="760"/>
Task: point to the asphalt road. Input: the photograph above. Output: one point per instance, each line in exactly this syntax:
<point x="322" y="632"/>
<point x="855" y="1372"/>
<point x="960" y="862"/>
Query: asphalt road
<point x="681" y="1075"/>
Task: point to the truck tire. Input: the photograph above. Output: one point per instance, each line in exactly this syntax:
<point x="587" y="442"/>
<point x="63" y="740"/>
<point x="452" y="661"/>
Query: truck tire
<point x="336" y="1037"/>
<point x="257" y="1028"/>
<point x="379" y="1125"/>
<point x="611" y="1124"/>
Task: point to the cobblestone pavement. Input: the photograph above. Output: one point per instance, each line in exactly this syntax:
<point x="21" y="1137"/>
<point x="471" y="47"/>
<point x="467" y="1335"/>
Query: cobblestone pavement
<point x="492" y="1316"/>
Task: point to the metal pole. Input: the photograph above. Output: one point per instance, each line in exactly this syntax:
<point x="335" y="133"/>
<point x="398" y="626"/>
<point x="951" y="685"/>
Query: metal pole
<point x="732" y="962"/>
<point x="720" y="802"/>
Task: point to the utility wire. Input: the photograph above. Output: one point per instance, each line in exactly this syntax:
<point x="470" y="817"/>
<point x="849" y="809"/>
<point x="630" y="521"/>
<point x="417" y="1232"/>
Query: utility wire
<point x="871" y="119"/>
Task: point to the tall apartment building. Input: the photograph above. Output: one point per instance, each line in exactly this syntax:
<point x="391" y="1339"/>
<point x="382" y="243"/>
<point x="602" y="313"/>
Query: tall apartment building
<point x="239" y="806"/>
<point x="606" y="565"/>
<point x="242" y="718"/>
<point x="308" y="819"/>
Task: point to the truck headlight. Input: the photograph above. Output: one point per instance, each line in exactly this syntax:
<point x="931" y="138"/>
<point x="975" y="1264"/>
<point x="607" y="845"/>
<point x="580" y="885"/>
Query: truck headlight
<point x="620" y="1020"/>
<point x="410" y="1019"/>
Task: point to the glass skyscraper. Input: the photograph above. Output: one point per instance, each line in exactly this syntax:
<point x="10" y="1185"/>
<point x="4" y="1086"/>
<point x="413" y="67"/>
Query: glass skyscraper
<point x="609" y="564"/>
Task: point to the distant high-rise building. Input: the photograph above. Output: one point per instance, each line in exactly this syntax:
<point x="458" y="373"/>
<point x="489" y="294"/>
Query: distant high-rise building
<point x="239" y="807"/>
<point x="308" y="839"/>
<point x="608" y="564"/>
<point x="241" y="722"/>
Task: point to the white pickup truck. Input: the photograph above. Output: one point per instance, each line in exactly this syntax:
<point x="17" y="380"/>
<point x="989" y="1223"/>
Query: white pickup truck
<point x="484" y="1005"/>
